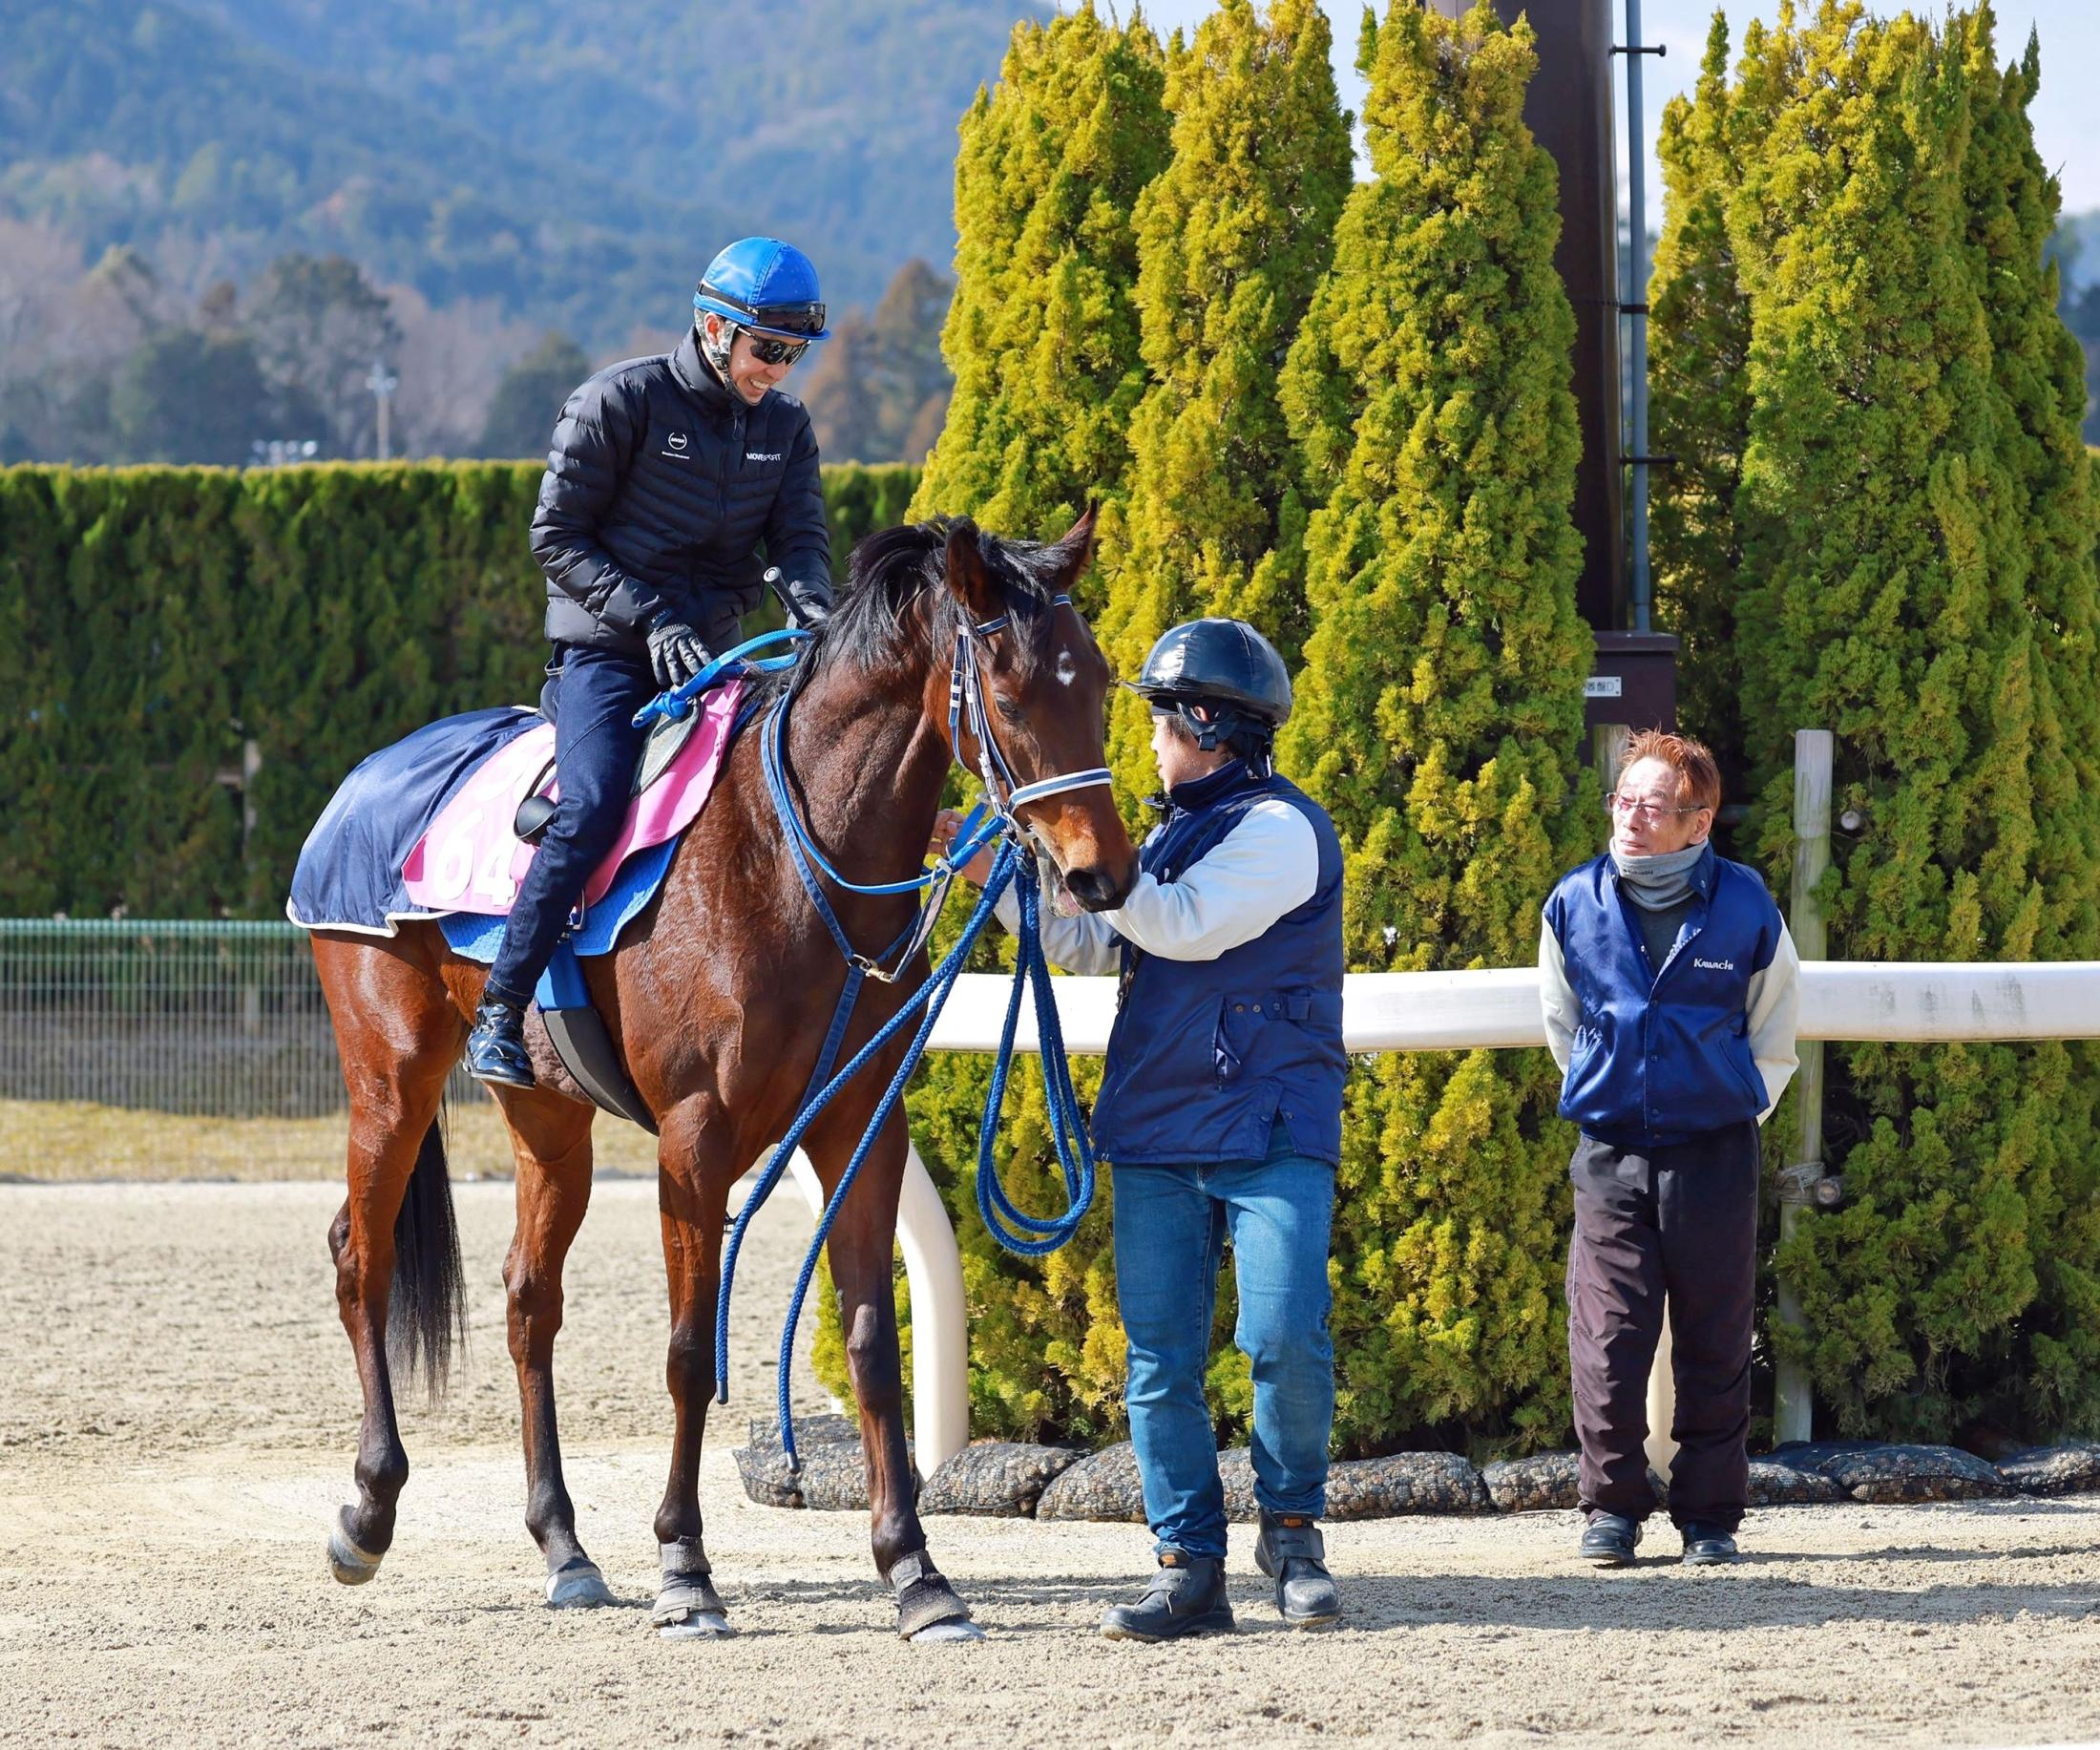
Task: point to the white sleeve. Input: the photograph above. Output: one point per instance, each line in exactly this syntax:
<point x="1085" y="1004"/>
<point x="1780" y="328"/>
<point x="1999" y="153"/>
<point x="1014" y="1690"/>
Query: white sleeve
<point x="1557" y="998"/>
<point x="1268" y="865"/>
<point x="1772" y="1010"/>
<point x="1085" y="944"/>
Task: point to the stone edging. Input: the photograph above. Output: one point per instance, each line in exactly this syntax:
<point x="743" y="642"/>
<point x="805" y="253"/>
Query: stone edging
<point x="1013" y="1479"/>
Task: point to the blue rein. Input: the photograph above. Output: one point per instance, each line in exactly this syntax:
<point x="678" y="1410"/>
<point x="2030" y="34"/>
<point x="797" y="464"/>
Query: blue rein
<point x="991" y="821"/>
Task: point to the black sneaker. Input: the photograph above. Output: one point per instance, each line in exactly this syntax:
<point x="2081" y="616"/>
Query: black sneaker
<point x="496" y="1048"/>
<point x="1708" y="1546"/>
<point x="1609" y="1540"/>
<point x="1187" y="1596"/>
<point x="1292" y="1552"/>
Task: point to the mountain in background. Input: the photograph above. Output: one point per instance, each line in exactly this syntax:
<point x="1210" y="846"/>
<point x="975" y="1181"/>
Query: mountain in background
<point x="574" y="167"/>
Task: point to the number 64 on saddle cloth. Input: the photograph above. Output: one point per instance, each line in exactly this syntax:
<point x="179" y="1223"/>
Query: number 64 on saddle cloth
<point x="470" y="860"/>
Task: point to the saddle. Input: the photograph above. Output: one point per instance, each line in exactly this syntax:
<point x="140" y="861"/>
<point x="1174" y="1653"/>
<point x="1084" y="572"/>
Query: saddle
<point x="474" y="853"/>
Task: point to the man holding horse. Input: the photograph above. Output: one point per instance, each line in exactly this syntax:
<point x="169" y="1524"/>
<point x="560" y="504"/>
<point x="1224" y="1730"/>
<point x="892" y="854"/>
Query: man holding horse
<point x="1220" y="1109"/>
<point x="666" y="475"/>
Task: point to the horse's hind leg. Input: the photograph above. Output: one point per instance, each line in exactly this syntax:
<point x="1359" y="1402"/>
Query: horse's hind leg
<point x="694" y="1173"/>
<point x="398" y="1037"/>
<point x="551" y="1142"/>
<point x="861" y="1248"/>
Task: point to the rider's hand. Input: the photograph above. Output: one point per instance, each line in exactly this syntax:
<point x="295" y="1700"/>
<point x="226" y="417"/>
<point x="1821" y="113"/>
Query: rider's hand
<point x="676" y="654"/>
<point x="947" y="824"/>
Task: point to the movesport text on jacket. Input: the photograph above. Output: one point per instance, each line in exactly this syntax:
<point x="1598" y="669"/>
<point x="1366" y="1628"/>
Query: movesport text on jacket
<point x="1655" y="1056"/>
<point x="1232" y="944"/>
<point x="660" y="487"/>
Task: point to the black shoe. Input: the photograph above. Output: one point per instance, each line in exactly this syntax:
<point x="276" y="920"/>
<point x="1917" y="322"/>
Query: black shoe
<point x="496" y="1048"/>
<point x="1187" y="1596"/>
<point x="1609" y="1540"/>
<point x="1708" y="1546"/>
<point x="1292" y="1552"/>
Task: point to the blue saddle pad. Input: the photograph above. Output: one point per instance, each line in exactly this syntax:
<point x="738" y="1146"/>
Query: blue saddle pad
<point x="477" y="936"/>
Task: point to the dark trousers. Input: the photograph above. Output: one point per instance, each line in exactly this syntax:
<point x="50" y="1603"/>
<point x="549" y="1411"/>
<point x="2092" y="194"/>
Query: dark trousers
<point x="1680" y="1221"/>
<point x="593" y="695"/>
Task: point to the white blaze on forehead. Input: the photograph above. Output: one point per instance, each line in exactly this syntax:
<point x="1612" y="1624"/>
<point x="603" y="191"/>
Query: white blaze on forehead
<point x="1068" y="671"/>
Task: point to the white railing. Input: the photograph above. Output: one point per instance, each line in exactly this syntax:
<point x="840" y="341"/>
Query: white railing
<point x="1440" y="1011"/>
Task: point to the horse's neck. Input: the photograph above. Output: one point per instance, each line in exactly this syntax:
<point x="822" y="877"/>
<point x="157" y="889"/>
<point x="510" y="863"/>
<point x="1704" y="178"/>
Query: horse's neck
<point x="869" y="765"/>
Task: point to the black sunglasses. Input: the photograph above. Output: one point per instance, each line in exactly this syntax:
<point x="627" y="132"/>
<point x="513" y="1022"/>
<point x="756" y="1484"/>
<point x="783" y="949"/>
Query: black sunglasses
<point x="767" y="350"/>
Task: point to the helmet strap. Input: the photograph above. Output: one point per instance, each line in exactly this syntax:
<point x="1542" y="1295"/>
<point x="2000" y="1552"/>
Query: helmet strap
<point x="717" y="351"/>
<point x="1256" y="740"/>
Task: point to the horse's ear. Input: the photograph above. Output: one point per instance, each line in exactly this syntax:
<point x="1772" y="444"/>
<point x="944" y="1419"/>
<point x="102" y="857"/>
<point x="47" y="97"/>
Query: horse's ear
<point x="1077" y="546"/>
<point x="968" y="580"/>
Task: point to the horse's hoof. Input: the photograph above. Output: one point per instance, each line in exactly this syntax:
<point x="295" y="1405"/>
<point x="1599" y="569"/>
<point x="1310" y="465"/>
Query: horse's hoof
<point x="351" y="1564"/>
<point x="947" y="1631"/>
<point x="700" y="1625"/>
<point x="576" y="1585"/>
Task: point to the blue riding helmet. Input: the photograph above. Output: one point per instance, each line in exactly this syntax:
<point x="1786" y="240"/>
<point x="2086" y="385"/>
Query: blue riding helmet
<point x="765" y="285"/>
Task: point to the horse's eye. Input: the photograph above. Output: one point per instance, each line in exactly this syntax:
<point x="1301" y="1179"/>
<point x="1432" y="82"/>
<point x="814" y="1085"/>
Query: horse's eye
<point x="1008" y="708"/>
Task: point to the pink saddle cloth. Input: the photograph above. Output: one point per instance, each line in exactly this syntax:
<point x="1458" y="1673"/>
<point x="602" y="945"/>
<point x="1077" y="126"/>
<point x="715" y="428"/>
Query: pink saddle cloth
<point x="471" y="861"/>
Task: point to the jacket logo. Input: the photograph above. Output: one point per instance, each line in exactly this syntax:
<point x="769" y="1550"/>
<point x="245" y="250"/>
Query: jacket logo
<point x="762" y="455"/>
<point x="1714" y="965"/>
<point x="677" y="440"/>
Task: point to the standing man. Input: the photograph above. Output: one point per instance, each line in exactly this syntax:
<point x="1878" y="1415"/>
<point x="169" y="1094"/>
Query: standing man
<point x="1669" y="985"/>
<point x="666" y="474"/>
<point x="1221" y="1112"/>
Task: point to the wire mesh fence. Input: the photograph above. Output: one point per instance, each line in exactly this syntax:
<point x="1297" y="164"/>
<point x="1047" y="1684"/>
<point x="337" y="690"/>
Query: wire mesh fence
<point x="213" y="1019"/>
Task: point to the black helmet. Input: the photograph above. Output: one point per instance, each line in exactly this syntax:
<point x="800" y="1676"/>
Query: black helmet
<point x="1225" y="661"/>
<point x="1230" y="673"/>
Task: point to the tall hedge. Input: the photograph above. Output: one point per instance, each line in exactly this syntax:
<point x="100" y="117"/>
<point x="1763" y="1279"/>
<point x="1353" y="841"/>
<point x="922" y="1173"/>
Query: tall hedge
<point x="1232" y="237"/>
<point x="1440" y="713"/>
<point x="151" y="620"/>
<point x="1042" y="335"/>
<point x="1906" y="560"/>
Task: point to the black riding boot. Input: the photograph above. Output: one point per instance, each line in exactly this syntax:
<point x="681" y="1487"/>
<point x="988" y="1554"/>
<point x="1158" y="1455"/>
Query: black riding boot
<point x="1187" y="1596"/>
<point x="496" y="1048"/>
<point x="1292" y="1552"/>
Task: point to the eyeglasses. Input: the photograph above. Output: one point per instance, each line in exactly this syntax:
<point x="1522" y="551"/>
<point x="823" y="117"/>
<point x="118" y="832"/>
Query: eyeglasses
<point x="768" y="350"/>
<point x="1648" y="811"/>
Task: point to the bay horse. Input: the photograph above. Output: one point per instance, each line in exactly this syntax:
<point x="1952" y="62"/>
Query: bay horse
<point x="720" y="998"/>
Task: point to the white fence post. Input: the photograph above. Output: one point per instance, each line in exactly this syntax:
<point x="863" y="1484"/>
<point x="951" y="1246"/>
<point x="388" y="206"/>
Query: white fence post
<point x="940" y="1325"/>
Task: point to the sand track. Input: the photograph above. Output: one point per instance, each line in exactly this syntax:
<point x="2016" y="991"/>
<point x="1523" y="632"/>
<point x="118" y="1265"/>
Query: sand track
<point x="176" y="1427"/>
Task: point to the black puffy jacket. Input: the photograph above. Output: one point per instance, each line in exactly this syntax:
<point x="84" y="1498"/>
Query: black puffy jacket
<point x="658" y="489"/>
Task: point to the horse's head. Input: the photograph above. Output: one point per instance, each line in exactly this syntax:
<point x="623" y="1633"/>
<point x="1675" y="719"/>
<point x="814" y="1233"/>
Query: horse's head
<point x="1045" y="688"/>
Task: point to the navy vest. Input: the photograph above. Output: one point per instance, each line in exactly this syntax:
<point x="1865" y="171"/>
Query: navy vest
<point x="1663" y="1053"/>
<point x="1207" y="1056"/>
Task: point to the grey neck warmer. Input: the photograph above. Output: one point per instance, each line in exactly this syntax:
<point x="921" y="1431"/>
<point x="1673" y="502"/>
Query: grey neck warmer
<point x="1657" y="883"/>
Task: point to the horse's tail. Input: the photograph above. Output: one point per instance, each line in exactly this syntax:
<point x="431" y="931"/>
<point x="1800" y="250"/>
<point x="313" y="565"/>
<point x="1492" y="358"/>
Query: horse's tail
<point x="426" y="1310"/>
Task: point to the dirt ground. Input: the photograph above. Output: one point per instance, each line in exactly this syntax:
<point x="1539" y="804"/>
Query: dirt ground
<point x="176" y="1427"/>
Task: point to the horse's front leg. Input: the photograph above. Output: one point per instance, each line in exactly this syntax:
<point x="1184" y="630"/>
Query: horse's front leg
<point x="862" y="1243"/>
<point x="694" y="1173"/>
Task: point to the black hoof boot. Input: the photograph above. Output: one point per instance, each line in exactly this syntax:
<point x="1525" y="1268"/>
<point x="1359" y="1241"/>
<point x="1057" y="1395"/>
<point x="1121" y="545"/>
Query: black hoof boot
<point x="1609" y="1540"/>
<point x="1187" y="1596"/>
<point x="928" y="1607"/>
<point x="1292" y="1552"/>
<point x="1708" y="1546"/>
<point x="496" y="1048"/>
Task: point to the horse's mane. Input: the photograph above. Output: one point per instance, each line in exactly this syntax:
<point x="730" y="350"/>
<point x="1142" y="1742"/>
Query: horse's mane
<point x="873" y="626"/>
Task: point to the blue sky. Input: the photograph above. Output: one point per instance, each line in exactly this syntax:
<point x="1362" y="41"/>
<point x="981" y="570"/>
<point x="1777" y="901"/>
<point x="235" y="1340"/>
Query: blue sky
<point x="2066" y="121"/>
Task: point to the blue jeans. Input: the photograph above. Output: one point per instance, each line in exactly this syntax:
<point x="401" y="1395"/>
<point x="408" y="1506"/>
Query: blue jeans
<point x="595" y="695"/>
<point x="1170" y="1228"/>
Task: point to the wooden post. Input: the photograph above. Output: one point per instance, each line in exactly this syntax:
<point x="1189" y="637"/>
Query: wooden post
<point x="1793" y="1404"/>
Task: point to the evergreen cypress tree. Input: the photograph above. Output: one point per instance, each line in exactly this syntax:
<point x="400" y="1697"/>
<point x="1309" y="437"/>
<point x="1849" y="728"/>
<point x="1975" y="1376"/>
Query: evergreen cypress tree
<point x="1042" y="336"/>
<point x="1698" y="404"/>
<point x="1893" y="516"/>
<point x="1232" y="237"/>
<point x="1439" y="712"/>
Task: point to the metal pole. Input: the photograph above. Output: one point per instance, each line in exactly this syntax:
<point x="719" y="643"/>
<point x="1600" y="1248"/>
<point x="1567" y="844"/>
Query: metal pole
<point x="1636" y="306"/>
<point x="1793" y="1404"/>
<point x="383" y="388"/>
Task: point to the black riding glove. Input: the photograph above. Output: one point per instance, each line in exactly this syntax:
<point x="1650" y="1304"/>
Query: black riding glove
<point x="676" y="654"/>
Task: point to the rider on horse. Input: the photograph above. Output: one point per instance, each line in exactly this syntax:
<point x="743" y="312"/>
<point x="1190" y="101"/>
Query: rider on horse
<point x="666" y="474"/>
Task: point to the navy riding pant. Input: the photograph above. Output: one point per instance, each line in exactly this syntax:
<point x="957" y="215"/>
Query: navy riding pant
<point x="593" y="696"/>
